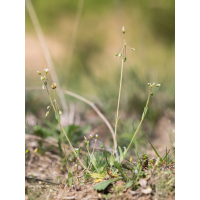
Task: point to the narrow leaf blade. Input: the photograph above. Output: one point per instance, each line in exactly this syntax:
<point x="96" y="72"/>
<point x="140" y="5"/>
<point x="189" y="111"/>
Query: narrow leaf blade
<point x="154" y="149"/>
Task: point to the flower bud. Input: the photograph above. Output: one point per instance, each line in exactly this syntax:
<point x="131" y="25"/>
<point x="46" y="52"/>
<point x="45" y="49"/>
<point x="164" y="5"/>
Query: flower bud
<point x="46" y="70"/>
<point x="76" y="149"/>
<point x="60" y="113"/>
<point x="91" y="136"/>
<point x="158" y="85"/>
<point x="132" y="49"/>
<point x="120" y="55"/>
<point x="47" y="114"/>
<point x="123" y="30"/>
<point x="102" y="146"/>
<point x="53" y="86"/>
<point x="151" y="93"/>
<point x="48" y="107"/>
<point x="153" y="84"/>
<point x="96" y="135"/>
<point x="39" y="72"/>
<point x="85" y="138"/>
<point x="116" y="54"/>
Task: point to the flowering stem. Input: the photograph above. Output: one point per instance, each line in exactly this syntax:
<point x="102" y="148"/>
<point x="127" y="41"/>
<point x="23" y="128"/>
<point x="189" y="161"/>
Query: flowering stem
<point x="139" y="124"/>
<point x="116" y="120"/>
<point x="60" y="125"/>
<point x="67" y="136"/>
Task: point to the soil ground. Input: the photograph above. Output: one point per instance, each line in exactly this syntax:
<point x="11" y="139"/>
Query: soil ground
<point x="48" y="167"/>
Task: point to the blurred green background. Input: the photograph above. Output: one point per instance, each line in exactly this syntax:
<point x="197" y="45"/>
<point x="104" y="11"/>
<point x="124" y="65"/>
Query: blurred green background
<point x="94" y="73"/>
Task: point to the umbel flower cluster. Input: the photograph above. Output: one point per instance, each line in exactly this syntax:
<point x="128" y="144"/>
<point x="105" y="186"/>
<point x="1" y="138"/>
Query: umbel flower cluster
<point x="122" y="51"/>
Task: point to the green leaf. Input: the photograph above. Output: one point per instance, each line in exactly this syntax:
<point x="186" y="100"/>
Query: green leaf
<point x="70" y="174"/>
<point x="93" y="160"/>
<point x="111" y="160"/>
<point x="87" y="144"/>
<point x="129" y="184"/>
<point x="169" y="158"/>
<point x="104" y="185"/>
<point x="117" y="158"/>
<point x="154" y="150"/>
<point x="69" y="181"/>
<point x="121" y="156"/>
<point x="117" y="165"/>
<point x="165" y="156"/>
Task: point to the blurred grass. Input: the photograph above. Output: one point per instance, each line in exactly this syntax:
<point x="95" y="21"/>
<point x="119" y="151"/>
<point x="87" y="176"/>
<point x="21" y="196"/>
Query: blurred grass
<point x="94" y="71"/>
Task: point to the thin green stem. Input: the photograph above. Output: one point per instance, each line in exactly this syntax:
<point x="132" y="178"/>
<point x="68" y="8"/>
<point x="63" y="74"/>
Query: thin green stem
<point x="67" y="136"/>
<point x="94" y="146"/>
<point x="60" y="125"/>
<point x="139" y="124"/>
<point x="116" y="121"/>
<point x="75" y="152"/>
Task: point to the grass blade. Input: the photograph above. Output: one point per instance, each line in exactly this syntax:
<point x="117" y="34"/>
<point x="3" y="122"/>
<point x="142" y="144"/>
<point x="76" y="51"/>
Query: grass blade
<point x="154" y="150"/>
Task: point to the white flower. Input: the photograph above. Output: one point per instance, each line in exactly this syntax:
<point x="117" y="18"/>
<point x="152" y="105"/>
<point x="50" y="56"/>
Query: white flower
<point x="38" y="72"/>
<point x="48" y="107"/>
<point x="43" y="87"/>
<point x="76" y="149"/>
<point x="46" y="70"/>
<point x="75" y="165"/>
<point x="47" y="114"/>
<point x="123" y="30"/>
<point x="136" y="171"/>
<point x="41" y="77"/>
<point x="60" y="112"/>
<point x="96" y="135"/>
